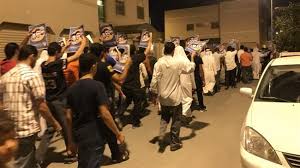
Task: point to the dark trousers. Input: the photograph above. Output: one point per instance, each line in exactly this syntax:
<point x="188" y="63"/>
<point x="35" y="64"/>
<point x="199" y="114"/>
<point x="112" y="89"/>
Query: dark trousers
<point x="25" y="155"/>
<point x="246" y="74"/>
<point x="230" y="78"/>
<point x="57" y="108"/>
<point x="90" y="145"/>
<point x="239" y="72"/>
<point x="168" y="113"/>
<point x="135" y="95"/>
<point x="199" y="90"/>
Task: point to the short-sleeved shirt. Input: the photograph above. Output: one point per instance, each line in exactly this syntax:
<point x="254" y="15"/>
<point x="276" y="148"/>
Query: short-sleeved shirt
<point x="104" y="74"/>
<point x="20" y="88"/>
<point x="54" y="78"/>
<point x="6" y="65"/>
<point x="83" y="98"/>
<point x="72" y="72"/>
<point x="133" y="78"/>
<point x="198" y="61"/>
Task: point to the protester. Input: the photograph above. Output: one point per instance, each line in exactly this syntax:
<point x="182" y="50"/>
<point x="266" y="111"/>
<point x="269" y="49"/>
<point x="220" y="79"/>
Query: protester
<point x="256" y="65"/>
<point x="209" y="68"/>
<point x="132" y="86"/>
<point x="217" y="56"/>
<point x="143" y="81"/>
<point x="246" y="62"/>
<point x="239" y="70"/>
<point x="187" y="85"/>
<point x="87" y="101"/>
<point x="8" y="142"/>
<point x="56" y="87"/>
<point x="230" y="67"/>
<point x="107" y="76"/>
<point x="166" y="83"/>
<point x="23" y="95"/>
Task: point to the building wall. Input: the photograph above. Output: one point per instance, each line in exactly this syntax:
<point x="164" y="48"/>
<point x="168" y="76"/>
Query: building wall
<point x="239" y="19"/>
<point x="57" y="14"/>
<point x="176" y="22"/>
<point x="130" y="17"/>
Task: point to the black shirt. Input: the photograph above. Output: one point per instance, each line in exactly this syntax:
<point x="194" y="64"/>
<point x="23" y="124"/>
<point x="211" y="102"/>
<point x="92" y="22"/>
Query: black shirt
<point x="133" y="78"/>
<point x="54" y="78"/>
<point x="198" y="61"/>
<point x="84" y="97"/>
<point x="104" y="74"/>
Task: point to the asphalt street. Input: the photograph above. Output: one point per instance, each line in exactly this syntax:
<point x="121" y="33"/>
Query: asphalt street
<point x="211" y="141"/>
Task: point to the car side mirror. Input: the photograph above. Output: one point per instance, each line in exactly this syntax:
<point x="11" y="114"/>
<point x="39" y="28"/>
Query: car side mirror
<point x="247" y="92"/>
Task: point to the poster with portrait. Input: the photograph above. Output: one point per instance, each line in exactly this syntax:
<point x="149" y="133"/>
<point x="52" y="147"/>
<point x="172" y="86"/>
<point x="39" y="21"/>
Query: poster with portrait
<point x="75" y="37"/>
<point x="176" y="41"/>
<point x="233" y="43"/>
<point x="107" y="35"/>
<point x="145" y="37"/>
<point x="194" y="44"/>
<point x="61" y="41"/>
<point x="39" y="36"/>
<point x="122" y="39"/>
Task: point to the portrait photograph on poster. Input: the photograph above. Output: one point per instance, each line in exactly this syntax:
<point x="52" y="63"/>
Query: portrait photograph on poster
<point x="38" y="36"/>
<point x="107" y="35"/>
<point x="75" y="37"/>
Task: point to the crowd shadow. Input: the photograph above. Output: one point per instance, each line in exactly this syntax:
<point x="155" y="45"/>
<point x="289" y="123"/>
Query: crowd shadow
<point x="56" y="157"/>
<point x="194" y="126"/>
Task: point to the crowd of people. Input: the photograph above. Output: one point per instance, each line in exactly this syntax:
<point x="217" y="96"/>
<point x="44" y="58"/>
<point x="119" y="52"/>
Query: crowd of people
<point x="82" y="97"/>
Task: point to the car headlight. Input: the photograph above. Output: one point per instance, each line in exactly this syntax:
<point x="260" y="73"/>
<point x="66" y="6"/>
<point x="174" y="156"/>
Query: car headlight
<point x="256" y="144"/>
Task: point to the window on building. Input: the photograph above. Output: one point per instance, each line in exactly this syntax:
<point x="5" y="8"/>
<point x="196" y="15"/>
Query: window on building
<point x="215" y="25"/>
<point x="120" y="7"/>
<point x="190" y="27"/>
<point x="101" y="12"/>
<point x="140" y="12"/>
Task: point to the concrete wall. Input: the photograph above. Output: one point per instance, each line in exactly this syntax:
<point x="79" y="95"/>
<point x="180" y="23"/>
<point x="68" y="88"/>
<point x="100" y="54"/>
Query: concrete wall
<point x="57" y="14"/>
<point x="177" y="20"/>
<point x="130" y="17"/>
<point x="240" y="20"/>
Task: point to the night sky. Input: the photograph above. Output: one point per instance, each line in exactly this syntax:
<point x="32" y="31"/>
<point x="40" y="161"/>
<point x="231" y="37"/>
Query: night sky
<point x="157" y="8"/>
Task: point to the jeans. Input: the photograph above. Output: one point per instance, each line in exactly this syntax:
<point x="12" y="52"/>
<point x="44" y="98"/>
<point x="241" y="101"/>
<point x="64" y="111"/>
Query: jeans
<point x="57" y="108"/>
<point x="217" y="85"/>
<point x="90" y="145"/>
<point x="239" y="72"/>
<point x="199" y="90"/>
<point x="168" y="113"/>
<point x="246" y="74"/>
<point x="25" y="155"/>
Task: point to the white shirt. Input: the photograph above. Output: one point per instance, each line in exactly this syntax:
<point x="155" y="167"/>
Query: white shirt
<point x="230" y="60"/>
<point x="217" y="57"/>
<point x="240" y="52"/>
<point x="166" y="79"/>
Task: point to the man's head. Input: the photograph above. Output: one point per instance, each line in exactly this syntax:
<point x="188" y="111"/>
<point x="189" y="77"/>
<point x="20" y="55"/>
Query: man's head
<point x="54" y="50"/>
<point x="169" y="48"/>
<point x="8" y="143"/>
<point x="87" y="64"/>
<point x="28" y="54"/>
<point x="11" y="50"/>
<point x="242" y="47"/>
<point x="246" y="49"/>
<point x="98" y="50"/>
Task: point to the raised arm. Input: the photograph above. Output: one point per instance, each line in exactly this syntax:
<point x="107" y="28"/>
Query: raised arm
<point x="187" y="67"/>
<point x="79" y="51"/>
<point x="148" y="49"/>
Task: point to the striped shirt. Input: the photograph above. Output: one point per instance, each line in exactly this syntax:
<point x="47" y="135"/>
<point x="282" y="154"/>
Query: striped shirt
<point x="19" y="90"/>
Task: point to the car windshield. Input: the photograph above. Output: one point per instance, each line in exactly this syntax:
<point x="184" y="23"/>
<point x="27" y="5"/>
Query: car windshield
<point x="280" y="84"/>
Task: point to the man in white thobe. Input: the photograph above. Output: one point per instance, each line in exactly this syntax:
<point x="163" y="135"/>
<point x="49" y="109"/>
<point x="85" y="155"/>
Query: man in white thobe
<point x="209" y="68"/>
<point x="256" y="65"/>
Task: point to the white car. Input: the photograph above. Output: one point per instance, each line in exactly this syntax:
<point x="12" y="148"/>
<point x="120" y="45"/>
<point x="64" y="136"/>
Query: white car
<point x="270" y="136"/>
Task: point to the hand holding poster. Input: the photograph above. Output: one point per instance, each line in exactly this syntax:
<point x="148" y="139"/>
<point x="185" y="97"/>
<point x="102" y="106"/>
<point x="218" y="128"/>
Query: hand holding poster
<point x="38" y="36"/>
<point x="107" y="35"/>
<point x="145" y="37"/>
<point x="75" y="37"/>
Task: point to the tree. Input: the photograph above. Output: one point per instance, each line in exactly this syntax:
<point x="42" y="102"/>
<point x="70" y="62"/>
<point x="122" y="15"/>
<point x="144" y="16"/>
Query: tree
<point x="287" y="28"/>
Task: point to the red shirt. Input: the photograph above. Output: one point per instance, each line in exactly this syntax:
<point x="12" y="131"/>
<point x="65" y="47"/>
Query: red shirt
<point x="246" y="59"/>
<point x="7" y="65"/>
<point x="72" y="72"/>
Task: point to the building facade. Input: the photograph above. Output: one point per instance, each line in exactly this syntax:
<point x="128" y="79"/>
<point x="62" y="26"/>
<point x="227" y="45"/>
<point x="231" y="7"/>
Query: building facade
<point x="234" y="19"/>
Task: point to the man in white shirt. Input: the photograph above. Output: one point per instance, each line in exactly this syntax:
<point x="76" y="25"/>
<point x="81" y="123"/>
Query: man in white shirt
<point x="166" y="84"/>
<point x="239" y="70"/>
<point x="230" y="67"/>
